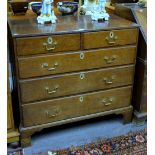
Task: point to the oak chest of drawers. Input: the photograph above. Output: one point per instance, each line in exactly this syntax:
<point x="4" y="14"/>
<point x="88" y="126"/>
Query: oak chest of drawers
<point x="74" y="70"/>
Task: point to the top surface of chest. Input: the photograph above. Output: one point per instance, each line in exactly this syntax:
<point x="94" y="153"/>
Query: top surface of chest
<point x="28" y="26"/>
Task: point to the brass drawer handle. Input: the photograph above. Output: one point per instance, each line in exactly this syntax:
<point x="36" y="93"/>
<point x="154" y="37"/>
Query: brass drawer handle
<point x="110" y="60"/>
<point x="45" y="65"/>
<point x="52" y="91"/>
<point x="109" y="80"/>
<point x="50" y="42"/>
<point x="107" y="101"/>
<point x="111" y="39"/>
<point x="53" y="113"/>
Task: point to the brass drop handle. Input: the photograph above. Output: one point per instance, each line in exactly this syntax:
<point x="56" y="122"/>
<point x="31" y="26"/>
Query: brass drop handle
<point x="45" y="65"/>
<point x="53" y="113"/>
<point x="107" y="101"/>
<point x="54" y="90"/>
<point x="51" y="43"/>
<point x="111" y="59"/>
<point x="109" y="80"/>
<point x="51" y="48"/>
<point x="111" y="39"/>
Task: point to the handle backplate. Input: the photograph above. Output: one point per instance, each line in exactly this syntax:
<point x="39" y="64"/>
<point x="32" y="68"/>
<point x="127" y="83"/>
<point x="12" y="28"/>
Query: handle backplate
<point x="109" y="80"/>
<point x="46" y="66"/>
<point x="52" y="91"/>
<point x="50" y="44"/>
<point x="111" y="39"/>
<point x="107" y="101"/>
<point x="110" y="60"/>
<point x="52" y="113"/>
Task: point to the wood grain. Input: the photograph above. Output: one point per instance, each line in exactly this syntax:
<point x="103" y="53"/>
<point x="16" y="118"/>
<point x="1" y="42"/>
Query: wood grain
<point x="140" y="87"/>
<point x="22" y="26"/>
<point x="75" y="61"/>
<point x="34" y="45"/>
<point x="98" y="39"/>
<point x="33" y="90"/>
<point x="61" y="109"/>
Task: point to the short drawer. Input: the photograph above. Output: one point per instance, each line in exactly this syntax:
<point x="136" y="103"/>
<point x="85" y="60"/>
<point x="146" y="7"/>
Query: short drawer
<point x="79" y="105"/>
<point x="48" y="44"/>
<point x="69" y="84"/>
<point x="77" y="61"/>
<point x="110" y="38"/>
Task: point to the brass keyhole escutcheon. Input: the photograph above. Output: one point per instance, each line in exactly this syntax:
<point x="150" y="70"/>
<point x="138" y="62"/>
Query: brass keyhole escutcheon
<point x="82" y="76"/>
<point x="50" y="44"/>
<point x="49" y="40"/>
<point x="81" y="98"/>
<point x="82" y="56"/>
<point x="111" y="38"/>
<point x="111" y="34"/>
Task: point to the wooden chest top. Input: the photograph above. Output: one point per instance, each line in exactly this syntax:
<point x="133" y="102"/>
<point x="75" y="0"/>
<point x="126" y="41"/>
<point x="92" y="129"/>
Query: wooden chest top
<point x="24" y="26"/>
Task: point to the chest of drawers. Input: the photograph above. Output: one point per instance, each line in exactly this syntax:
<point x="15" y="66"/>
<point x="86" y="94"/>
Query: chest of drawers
<point x="74" y="70"/>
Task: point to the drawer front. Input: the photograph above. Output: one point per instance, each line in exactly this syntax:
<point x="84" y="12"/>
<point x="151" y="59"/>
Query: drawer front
<point x="109" y="38"/>
<point x="71" y="107"/>
<point x="68" y="84"/>
<point x="48" y="44"/>
<point x="61" y="63"/>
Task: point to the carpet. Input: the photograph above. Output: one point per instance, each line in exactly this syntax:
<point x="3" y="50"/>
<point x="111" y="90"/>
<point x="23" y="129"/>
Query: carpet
<point x="133" y="143"/>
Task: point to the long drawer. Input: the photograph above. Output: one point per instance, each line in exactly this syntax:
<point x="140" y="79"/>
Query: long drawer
<point x="48" y="44"/>
<point x="74" y="106"/>
<point x="68" y="84"/>
<point x="109" y="38"/>
<point x="77" y="61"/>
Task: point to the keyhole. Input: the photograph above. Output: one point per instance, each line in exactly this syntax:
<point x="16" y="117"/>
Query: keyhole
<point x="111" y="34"/>
<point x="81" y="99"/>
<point x="82" y="76"/>
<point x="81" y="56"/>
<point x="49" y="40"/>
